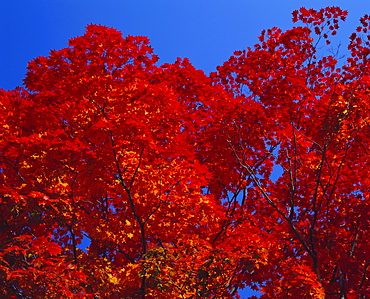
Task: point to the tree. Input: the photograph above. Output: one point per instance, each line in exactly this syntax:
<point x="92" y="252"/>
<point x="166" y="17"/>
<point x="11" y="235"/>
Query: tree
<point x="167" y="174"/>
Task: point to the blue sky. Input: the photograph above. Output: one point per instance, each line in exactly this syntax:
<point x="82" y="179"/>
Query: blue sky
<point x="205" y="31"/>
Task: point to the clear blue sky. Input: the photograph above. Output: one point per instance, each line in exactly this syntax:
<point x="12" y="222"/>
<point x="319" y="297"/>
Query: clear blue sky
<point x="205" y="31"/>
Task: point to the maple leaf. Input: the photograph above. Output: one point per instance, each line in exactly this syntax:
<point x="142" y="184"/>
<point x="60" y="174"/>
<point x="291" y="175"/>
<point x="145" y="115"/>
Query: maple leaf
<point x="170" y="174"/>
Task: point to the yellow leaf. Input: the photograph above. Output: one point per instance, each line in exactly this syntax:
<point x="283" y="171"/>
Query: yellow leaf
<point x="112" y="279"/>
<point x="61" y="183"/>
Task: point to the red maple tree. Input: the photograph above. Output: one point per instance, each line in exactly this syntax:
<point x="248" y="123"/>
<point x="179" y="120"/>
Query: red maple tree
<point x="121" y="178"/>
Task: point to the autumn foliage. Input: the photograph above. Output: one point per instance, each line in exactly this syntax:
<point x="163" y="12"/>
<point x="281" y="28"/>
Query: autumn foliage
<point x="123" y="178"/>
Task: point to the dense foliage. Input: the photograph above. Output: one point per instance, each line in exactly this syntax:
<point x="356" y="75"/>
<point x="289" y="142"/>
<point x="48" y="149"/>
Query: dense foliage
<point x="120" y="178"/>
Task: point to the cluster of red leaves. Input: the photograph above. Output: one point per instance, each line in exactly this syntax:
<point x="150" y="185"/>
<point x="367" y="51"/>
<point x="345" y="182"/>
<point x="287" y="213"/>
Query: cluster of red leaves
<point x="324" y="21"/>
<point x="124" y="179"/>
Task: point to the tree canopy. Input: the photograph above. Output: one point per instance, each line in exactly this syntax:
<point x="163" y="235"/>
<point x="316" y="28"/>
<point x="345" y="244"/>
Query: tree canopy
<point x="123" y="178"/>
